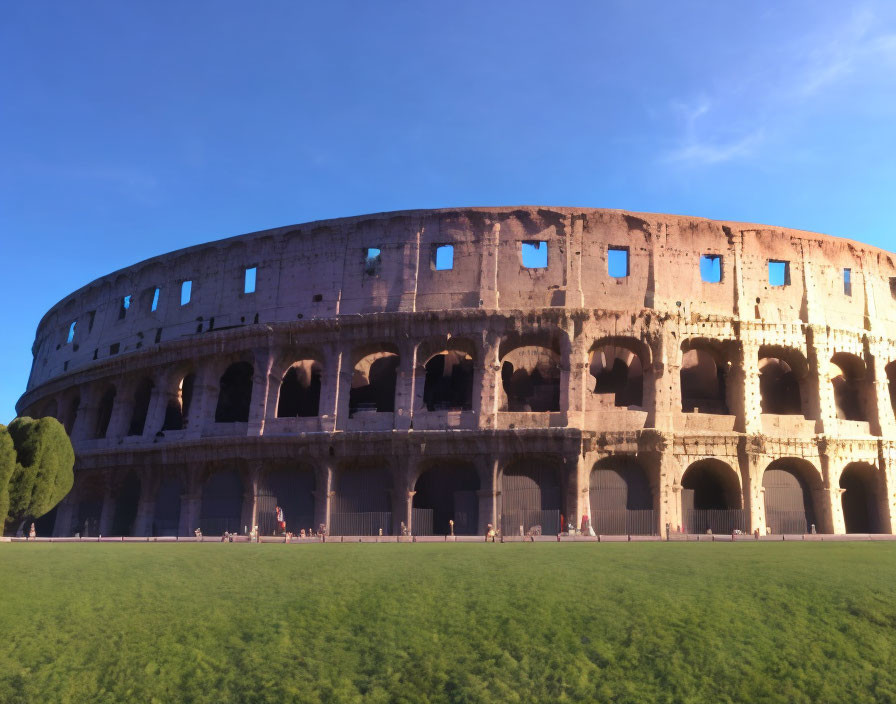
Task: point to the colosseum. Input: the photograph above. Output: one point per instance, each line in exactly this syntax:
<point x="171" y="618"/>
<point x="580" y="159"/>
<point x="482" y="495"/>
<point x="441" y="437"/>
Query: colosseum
<point x="432" y="370"/>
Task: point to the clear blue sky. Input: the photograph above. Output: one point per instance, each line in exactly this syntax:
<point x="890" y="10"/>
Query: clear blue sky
<point x="129" y="129"/>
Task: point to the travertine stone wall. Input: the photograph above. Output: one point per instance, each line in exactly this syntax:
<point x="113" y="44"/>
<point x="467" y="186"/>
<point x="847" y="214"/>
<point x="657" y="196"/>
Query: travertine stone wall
<point x="317" y="298"/>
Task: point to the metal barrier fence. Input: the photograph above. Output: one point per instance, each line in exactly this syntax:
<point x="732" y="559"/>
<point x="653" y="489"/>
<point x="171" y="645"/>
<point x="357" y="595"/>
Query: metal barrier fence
<point x="624" y="522"/>
<point x="219" y="526"/>
<point x="790" y="522"/>
<point x="540" y="522"/>
<point x="716" y="520"/>
<point x="421" y="521"/>
<point x="361" y="523"/>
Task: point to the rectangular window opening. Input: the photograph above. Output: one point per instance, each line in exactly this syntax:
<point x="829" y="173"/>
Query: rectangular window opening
<point x="444" y="257"/>
<point x="372" y="261"/>
<point x="617" y="262"/>
<point x="155" y="300"/>
<point x="249" y="282"/>
<point x="778" y="272"/>
<point x="125" y="304"/>
<point x="534" y="254"/>
<point x="186" y="290"/>
<point x="847" y="282"/>
<point x="71" y="332"/>
<point x="711" y="268"/>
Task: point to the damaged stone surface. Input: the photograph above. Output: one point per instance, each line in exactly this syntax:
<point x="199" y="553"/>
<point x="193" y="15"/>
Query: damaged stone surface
<point x="365" y="391"/>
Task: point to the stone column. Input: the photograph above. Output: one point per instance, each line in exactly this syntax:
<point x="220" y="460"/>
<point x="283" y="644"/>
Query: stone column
<point x="122" y="410"/>
<point x="323" y="494"/>
<point x="343" y="390"/>
<point x="85" y="419"/>
<point x="488" y="494"/>
<point x="263" y="360"/>
<point x="752" y="466"/>
<point x="576" y="501"/>
<point x="667" y="491"/>
<point x="146" y="506"/>
<point x="404" y="386"/>
<point x="662" y="385"/>
<point x="249" y="512"/>
<point x="155" y="414"/>
<point x="330" y="388"/>
<point x="578" y="377"/>
<point x="107" y="514"/>
<point x="205" y="400"/>
<point x="487" y="379"/>
<point x="190" y="501"/>
<point x="819" y="351"/>
<point x="751" y="398"/>
<point x="488" y="278"/>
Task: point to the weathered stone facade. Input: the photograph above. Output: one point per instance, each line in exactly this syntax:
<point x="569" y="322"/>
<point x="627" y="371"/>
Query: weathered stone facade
<point x="361" y="363"/>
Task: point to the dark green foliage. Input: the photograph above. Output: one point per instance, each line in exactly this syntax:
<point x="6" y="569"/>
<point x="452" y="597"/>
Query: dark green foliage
<point x="43" y="471"/>
<point x="571" y="622"/>
<point x="7" y="465"/>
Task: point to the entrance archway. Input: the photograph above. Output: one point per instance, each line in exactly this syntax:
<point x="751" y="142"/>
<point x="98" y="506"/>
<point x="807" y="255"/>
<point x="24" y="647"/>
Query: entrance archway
<point x="222" y="503"/>
<point x="711" y="498"/>
<point x="860" y="499"/>
<point x="362" y="503"/>
<point x="443" y="493"/>
<point x="531" y="497"/>
<point x="292" y="489"/>
<point x="620" y="498"/>
<point x="166" y="516"/>
<point x="126" y="501"/>
<point x="788" y="485"/>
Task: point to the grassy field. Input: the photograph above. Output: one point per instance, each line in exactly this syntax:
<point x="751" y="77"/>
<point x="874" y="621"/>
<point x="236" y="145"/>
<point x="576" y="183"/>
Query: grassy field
<point x="707" y="622"/>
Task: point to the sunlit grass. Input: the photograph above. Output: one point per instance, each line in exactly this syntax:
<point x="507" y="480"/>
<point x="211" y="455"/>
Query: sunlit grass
<point x="784" y="622"/>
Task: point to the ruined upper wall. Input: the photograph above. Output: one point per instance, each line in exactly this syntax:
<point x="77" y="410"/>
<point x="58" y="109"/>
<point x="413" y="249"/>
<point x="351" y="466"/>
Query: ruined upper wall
<point x="318" y="270"/>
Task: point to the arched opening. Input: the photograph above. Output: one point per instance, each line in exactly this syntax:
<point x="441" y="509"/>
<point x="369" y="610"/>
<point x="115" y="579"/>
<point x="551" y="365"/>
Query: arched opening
<point x="178" y="409"/>
<point x="446" y="492"/>
<point x="890" y="370"/>
<point x="45" y="525"/>
<point x="222" y="503"/>
<point x="235" y="395"/>
<point x="373" y="383"/>
<point x="90" y="508"/>
<point x="104" y="413"/>
<point x="72" y="414"/>
<point x="530" y="377"/>
<point x="448" y="385"/>
<point x="142" y="395"/>
<point x="787" y="485"/>
<point x="711" y="498"/>
<point x="704" y="374"/>
<point x="166" y="516"/>
<point x="292" y="489"/>
<point x="620" y="498"/>
<point x="126" y="500"/>
<point x="300" y="390"/>
<point x="361" y="503"/>
<point x="618" y="372"/>
<point x="783" y="373"/>
<point x="852" y="393"/>
<point x="531" y="497"/>
<point x="50" y="409"/>
<point x="860" y="498"/>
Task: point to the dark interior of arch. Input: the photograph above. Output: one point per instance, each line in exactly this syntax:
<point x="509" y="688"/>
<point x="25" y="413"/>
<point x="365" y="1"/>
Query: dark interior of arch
<point x="90" y="508"/>
<point x="166" y="516"/>
<point x="235" y="395"/>
<point x="860" y="505"/>
<point x="620" y="484"/>
<point x="450" y="492"/>
<point x="142" y="396"/>
<point x="788" y="501"/>
<point x="708" y="487"/>
<point x="361" y="503"/>
<point x="531" y="390"/>
<point x="178" y="409"/>
<point x="449" y="383"/>
<point x="890" y="370"/>
<point x="530" y="496"/>
<point x="125" y="513"/>
<point x="104" y="413"/>
<point x="625" y="381"/>
<point x="72" y="414"/>
<point x="702" y="383"/>
<point x="299" y="393"/>
<point x="848" y="391"/>
<point x="379" y="392"/>
<point x="292" y="489"/>
<point x="222" y="503"/>
<point x="45" y="525"/>
<point x="779" y="388"/>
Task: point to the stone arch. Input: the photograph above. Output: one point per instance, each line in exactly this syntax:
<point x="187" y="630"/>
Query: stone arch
<point x="374" y="379"/>
<point x="362" y="499"/>
<point x="140" y="406"/>
<point x="71" y="412"/>
<point x="447" y="371"/>
<point x="104" y="412"/>
<point x="127" y="496"/>
<point x="862" y="498"/>
<point x="292" y="488"/>
<point x="620" y="497"/>
<point x="446" y="490"/>
<point x="235" y="393"/>
<point x="166" y="512"/>
<point x="177" y="407"/>
<point x="49" y="408"/>
<point x="299" y="395"/>
<point x="618" y="365"/>
<point x="705" y="365"/>
<point x="711" y="497"/>
<point x="532" y="495"/>
<point x="91" y="494"/>
<point x="532" y="370"/>
<point x="784" y="382"/>
<point x="853" y="392"/>
<point x="222" y="502"/>
<point x="890" y="371"/>
<point x="788" y="485"/>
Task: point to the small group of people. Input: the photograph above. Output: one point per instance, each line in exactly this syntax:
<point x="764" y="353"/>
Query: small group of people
<point x="491" y="534"/>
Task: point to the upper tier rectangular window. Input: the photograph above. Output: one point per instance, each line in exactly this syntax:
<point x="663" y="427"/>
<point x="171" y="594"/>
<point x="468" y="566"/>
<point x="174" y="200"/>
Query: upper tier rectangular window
<point x="373" y="259"/>
<point x="534" y="254"/>
<point x="249" y="281"/>
<point x="125" y="304"/>
<point x="443" y="259"/>
<point x="711" y="268"/>
<point x="778" y="272"/>
<point x="617" y="262"/>
<point x="71" y="332"/>
<point x="186" y="290"/>
<point x="155" y="300"/>
<point x="847" y="282"/>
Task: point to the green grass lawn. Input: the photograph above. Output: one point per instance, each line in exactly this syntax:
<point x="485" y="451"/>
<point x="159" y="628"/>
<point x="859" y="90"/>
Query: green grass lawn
<point x="679" y="622"/>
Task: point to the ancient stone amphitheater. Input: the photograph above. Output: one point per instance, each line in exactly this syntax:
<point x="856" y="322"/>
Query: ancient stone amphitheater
<point x="515" y="366"/>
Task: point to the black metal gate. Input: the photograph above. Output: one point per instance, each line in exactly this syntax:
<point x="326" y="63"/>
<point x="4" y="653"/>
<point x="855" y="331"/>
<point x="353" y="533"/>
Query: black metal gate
<point x="222" y="503"/>
<point x="361" y="504"/>
<point x="293" y="491"/>
<point x="531" y="499"/>
<point x="788" y="502"/>
<point x="621" y="500"/>
<point x="166" y="518"/>
<point x="717" y="520"/>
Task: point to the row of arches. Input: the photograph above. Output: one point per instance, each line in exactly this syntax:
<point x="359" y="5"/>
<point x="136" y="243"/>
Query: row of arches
<point x="532" y="496"/>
